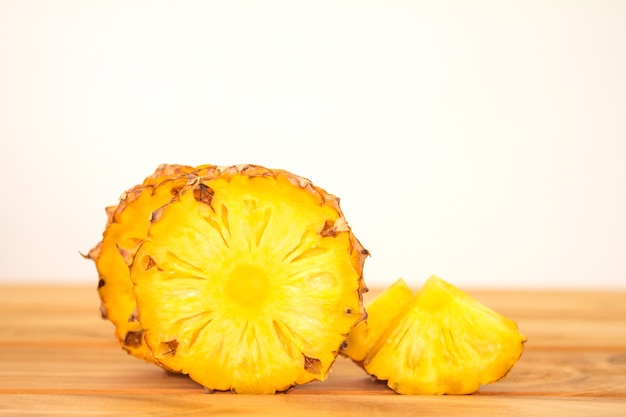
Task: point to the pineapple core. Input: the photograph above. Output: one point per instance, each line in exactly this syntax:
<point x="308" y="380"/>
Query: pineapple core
<point x="247" y="286"/>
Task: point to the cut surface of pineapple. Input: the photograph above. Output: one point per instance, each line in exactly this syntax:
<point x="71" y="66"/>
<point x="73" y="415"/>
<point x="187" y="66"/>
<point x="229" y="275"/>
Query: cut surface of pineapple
<point x="381" y="312"/>
<point x="127" y="224"/>
<point x="445" y="342"/>
<point x="249" y="280"/>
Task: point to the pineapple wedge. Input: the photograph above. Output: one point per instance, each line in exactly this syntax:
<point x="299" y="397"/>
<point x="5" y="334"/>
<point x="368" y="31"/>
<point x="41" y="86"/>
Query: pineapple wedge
<point x="127" y="224"/>
<point x="381" y="311"/>
<point x="248" y="280"/>
<point x="445" y="342"/>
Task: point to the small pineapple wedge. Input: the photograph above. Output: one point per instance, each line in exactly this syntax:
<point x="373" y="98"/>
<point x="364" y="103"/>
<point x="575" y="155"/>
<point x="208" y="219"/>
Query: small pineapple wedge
<point x="249" y="280"/>
<point x="445" y="342"/>
<point x="127" y="225"/>
<point x="381" y="312"/>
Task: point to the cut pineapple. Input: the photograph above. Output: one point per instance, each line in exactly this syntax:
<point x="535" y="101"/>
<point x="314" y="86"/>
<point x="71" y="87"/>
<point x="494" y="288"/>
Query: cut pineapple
<point x="445" y="342"/>
<point x="127" y="225"/>
<point x="248" y="280"/>
<point x="381" y="312"/>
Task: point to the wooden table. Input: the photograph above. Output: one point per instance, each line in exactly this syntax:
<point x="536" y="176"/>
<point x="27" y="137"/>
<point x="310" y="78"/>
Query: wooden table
<point x="58" y="358"/>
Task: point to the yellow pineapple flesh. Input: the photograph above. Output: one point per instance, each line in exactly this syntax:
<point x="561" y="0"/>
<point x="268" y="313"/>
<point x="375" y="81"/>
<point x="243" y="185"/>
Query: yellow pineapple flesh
<point x="445" y="342"/>
<point x="127" y="224"/>
<point x="249" y="280"/>
<point x="381" y="311"/>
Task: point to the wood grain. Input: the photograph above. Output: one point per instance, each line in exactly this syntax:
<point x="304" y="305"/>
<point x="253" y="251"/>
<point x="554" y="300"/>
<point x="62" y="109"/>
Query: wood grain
<point x="57" y="357"/>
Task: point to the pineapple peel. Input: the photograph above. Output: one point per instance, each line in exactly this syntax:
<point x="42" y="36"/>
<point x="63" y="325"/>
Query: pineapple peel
<point x="248" y="279"/>
<point x="442" y="341"/>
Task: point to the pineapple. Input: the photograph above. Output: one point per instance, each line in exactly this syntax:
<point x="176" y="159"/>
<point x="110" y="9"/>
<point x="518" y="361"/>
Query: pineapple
<point x="248" y="279"/>
<point x="381" y="311"/>
<point x="444" y="342"/>
<point x="127" y="225"/>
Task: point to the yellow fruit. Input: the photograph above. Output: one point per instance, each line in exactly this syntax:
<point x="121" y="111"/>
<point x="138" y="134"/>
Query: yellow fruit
<point x="127" y="225"/>
<point x="381" y="311"/>
<point x="248" y="280"/>
<point x="445" y="342"/>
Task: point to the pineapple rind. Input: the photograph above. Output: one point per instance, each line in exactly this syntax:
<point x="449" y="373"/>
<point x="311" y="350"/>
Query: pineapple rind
<point x="445" y="343"/>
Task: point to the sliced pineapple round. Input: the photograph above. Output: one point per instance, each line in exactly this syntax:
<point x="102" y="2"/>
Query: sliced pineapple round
<point x="445" y="342"/>
<point x="127" y="224"/>
<point x="381" y="312"/>
<point x="249" y="281"/>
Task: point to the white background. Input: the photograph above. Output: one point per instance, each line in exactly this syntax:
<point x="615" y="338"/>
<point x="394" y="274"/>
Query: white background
<point x="482" y="141"/>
